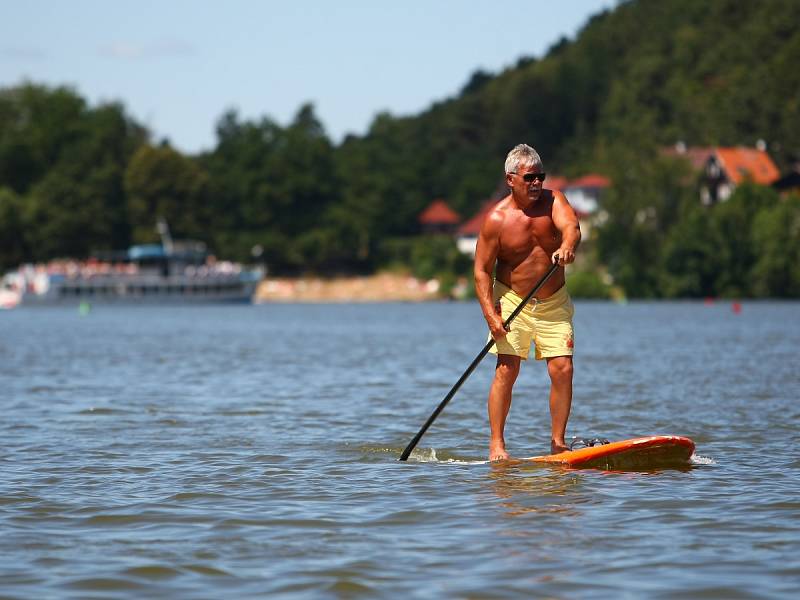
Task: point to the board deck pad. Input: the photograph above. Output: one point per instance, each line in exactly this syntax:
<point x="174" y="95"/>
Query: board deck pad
<point x="637" y="453"/>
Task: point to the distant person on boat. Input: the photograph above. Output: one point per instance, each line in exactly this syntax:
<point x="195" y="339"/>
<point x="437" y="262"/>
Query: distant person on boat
<point x="522" y="236"/>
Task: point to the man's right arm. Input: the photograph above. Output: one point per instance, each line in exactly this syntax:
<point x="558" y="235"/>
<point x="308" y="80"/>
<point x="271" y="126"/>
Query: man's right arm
<point x="485" y="259"/>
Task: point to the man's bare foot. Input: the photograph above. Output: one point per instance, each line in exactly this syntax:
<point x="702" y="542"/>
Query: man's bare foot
<point x="497" y="451"/>
<point x="556" y="448"/>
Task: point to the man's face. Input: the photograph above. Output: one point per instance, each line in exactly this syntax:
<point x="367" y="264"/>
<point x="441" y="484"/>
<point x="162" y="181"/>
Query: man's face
<point x="527" y="182"/>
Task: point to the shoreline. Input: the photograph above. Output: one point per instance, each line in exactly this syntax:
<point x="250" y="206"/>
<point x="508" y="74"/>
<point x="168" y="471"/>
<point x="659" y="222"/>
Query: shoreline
<point x="382" y="287"/>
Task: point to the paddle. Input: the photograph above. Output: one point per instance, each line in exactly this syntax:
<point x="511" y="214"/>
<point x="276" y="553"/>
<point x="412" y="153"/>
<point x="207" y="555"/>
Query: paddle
<point x="412" y="444"/>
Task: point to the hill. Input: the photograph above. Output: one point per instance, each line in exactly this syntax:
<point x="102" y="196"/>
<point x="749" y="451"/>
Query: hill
<point x="76" y="178"/>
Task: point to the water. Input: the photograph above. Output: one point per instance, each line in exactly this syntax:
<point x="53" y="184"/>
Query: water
<point x="202" y="452"/>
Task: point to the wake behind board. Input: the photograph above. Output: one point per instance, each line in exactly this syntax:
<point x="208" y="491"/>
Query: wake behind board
<point x="637" y="453"/>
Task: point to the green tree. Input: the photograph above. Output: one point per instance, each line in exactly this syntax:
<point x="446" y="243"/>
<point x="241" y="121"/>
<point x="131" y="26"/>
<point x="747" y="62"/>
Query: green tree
<point x="38" y="125"/>
<point x="66" y="213"/>
<point x="65" y="160"/>
<point x="588" y="284"/>
<point x="162" y="183"/>
<point x="303" y="175"/>
<point x="13" y="243"/>
<point x="640" y="209"/>
<point x="272" y="186"/>
<point x="776" y="245"/>
<point x="691" y="261"/>
<point x="733" y="221"/>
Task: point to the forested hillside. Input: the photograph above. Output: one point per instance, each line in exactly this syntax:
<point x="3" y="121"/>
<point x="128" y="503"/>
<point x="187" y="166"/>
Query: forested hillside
<point x="76" y="178"/>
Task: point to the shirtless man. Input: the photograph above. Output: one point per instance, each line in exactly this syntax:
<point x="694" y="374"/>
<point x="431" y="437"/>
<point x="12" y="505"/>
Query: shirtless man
<point x="521" y="238"/>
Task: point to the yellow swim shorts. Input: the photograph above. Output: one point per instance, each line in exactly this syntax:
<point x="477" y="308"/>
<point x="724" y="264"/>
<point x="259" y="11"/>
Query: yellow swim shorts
<point x="547" y="323"/>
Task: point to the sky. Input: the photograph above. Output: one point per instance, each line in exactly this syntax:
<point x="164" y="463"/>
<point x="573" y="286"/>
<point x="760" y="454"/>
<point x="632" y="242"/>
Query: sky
<point x="178" y="65"/>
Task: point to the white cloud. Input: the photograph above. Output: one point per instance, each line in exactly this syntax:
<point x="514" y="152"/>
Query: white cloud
<point x="122" y="50"/>
<point x="166" y="48"/>
<point x="172" y="47"/>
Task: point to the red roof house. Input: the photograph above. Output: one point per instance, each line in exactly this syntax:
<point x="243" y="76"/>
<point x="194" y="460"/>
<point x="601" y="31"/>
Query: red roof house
<point x="584" y="193"/>
<point x="555" y="182"/>
<point x="472" y="227"/>
<point x="723" y="168"/>
<point x="467" y="235"/>
<point x="697" y="156"/>
<point x="438" y="217"/>
<point x="747" y="163"/>
<point x="592" y="180"/>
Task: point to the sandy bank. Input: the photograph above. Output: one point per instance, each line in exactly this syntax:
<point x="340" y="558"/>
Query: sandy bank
<point x="383" y="287"/>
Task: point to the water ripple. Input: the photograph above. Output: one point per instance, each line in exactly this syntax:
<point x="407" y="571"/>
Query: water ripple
<point x="198" y="452"/>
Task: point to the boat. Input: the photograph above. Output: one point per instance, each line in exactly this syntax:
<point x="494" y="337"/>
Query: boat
<point x="169" y="272"/>
<point x="10" y="293"/>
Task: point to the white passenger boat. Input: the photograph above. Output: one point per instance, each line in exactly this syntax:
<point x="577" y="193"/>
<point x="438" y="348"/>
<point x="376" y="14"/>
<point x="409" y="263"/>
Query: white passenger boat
<point x="181" y="273"/>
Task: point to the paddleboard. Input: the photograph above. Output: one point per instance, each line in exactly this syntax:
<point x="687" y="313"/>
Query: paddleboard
<point x="637" y="453"/>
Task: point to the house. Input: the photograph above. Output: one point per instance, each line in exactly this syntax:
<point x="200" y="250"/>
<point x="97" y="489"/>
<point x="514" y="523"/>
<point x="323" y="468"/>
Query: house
<point x="438" y="217"/>
<point x="556" y="182"/>
<point x="728" y="167"/>
<point x="696" y="156"/>
<point x="723" y="168"/>
<point x="584" y="193"/>
<point x="467" y="234"/>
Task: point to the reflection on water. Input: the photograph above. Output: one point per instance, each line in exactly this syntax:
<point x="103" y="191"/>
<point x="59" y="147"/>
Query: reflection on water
<point x="535" y="489"/>
<point x="249" y="451"/>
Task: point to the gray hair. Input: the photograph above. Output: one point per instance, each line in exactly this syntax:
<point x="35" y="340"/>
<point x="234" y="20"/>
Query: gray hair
<point x="521" y="154"/>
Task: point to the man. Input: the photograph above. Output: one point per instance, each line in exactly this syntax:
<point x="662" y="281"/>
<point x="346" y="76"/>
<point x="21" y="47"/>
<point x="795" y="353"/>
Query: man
<point x="520" y="238"/>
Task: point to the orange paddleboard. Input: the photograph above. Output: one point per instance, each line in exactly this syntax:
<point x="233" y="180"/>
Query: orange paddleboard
<point x="637" y="453"/>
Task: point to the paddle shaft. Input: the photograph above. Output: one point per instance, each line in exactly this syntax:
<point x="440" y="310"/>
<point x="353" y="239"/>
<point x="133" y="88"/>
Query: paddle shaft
<point x="413" y="443"/>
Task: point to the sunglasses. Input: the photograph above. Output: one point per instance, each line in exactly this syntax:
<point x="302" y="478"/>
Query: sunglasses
<point x="530" y="177"/>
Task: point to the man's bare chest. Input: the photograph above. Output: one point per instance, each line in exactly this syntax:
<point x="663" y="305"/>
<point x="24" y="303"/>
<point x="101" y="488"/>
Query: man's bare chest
<point x="524" y="233"/>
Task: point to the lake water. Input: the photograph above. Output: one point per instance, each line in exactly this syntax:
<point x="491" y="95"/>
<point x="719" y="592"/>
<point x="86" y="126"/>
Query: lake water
<point x="246" y="451"/>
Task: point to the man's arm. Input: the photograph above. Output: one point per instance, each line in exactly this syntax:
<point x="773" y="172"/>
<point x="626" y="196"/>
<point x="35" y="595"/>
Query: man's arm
<point x="485" y="259"/>
<point x="566" y="221"/>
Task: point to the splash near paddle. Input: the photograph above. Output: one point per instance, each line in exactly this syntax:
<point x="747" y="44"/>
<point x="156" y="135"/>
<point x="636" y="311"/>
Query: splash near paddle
<point x="637" y="453"/>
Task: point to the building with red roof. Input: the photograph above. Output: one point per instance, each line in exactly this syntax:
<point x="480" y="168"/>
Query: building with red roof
<point x="696" y="156"/>
<point x="467" y="235"/>
<point x="741" y="163"/>
<point x="585" y="192"/>
<point x="723" y="168"/>
<point x="728" y="167"/>
<point x="438" y="217"/>
<point x="556" y="182"/>
<point x="592" y="180"/>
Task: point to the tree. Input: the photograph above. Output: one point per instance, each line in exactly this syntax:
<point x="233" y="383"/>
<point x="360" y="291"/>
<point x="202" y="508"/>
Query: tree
<point x="37" y="126"/>
<point x="691" y="261"/>
<point x="271" y="186"/>
<point x="13" y="243"/>
<point x="65" y="212"/>
<point x="776" y="245"/>
<point x="65" y="161"/>
<point x="732" y="222"/>
<point x="161" y="183"/>
<point x="642" y="205"/>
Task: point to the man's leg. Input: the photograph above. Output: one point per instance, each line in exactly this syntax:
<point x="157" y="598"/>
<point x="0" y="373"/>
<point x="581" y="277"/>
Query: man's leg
<point x="505" y="374"/>
<point x="560" y="370"/>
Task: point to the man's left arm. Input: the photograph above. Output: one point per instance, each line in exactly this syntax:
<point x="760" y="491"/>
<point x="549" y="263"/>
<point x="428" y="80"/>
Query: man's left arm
<point x="566" y="221"/>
